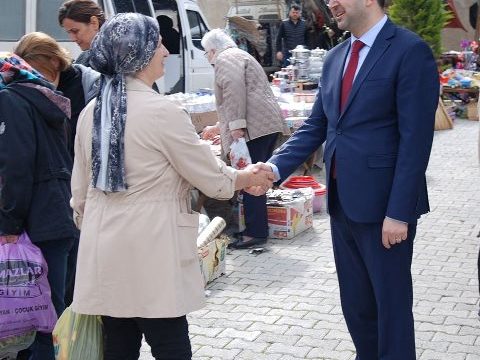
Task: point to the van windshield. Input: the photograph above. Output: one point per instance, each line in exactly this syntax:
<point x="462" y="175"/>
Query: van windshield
<point x="138" y="6"/>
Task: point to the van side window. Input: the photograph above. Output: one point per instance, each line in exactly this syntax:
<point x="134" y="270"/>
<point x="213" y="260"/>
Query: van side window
<point x="12" y="28"/>
<point x="47" y="19"/>
<point x="138" y="6"/>
<point x="197" y="28"/>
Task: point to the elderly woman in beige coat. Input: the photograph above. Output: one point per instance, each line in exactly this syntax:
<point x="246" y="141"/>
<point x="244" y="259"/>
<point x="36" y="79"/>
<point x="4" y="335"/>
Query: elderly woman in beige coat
<point x="246" y="108"/>
<point x="137" y="157"/>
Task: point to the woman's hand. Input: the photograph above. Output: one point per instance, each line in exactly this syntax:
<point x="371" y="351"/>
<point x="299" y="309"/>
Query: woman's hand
<point x="209" y="132"/>
<point x="237" y="134"/>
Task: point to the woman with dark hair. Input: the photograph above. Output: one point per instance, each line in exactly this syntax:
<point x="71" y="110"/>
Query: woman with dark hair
<point x="81" y="19"/>
<point x="137" y="156"/>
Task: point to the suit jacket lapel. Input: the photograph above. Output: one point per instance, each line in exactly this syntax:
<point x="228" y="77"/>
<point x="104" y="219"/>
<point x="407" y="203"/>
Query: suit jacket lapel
<point x="379" y="46"/>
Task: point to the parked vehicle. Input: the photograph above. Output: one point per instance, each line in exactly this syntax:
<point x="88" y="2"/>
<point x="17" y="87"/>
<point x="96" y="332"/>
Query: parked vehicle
<point x="187" y="69"/>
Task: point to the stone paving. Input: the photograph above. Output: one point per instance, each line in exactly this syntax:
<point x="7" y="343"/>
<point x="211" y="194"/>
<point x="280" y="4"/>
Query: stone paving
<point x="284" y="303"/>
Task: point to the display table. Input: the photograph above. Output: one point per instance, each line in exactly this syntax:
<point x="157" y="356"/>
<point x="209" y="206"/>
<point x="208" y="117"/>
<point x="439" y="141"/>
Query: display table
<point x="467" y="96"/>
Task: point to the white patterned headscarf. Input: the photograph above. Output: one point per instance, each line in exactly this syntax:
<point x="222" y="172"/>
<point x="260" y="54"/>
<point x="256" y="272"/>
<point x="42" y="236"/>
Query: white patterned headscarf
<point x="124" y="45"/>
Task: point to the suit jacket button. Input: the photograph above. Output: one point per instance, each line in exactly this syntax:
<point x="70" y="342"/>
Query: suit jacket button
<point x="339" y="132"/>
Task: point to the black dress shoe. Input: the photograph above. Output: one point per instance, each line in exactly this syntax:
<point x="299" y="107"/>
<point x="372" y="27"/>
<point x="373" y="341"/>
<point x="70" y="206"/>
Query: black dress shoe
<point x="231" y="245"/>
<point x="240" y="244"/>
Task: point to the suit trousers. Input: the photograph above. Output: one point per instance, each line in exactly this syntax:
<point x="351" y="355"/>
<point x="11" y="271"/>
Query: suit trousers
<point x="255" y="207"/>
<point x="167" y="337"/>
<point x="375" y="286"/>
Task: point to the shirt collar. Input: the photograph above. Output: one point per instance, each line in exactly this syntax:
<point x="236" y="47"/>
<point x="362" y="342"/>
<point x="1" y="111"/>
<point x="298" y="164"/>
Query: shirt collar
<point x="369" y="37"/>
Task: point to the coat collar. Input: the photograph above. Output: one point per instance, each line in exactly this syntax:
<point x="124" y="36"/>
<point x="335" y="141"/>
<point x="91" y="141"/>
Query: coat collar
<point x="381" y="44"/>
<point x="135" y="84"/>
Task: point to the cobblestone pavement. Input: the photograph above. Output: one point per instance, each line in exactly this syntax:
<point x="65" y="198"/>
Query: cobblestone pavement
<point x="284" y="303"/>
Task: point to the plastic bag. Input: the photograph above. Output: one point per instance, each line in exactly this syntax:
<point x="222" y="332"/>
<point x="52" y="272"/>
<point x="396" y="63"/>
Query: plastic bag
<point x="9" y="347"/>
<point x="25" y="302"/>
<point x="78" y="337"/>
<point x="239" y="154"/>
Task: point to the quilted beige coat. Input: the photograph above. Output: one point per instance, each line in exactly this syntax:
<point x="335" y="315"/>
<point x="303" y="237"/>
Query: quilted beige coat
<point x="244" y="98"/>
<point x="138" y="254"/>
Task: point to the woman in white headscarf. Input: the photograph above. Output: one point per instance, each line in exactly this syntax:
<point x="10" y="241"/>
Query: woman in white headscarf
<point x="136" y="157"/>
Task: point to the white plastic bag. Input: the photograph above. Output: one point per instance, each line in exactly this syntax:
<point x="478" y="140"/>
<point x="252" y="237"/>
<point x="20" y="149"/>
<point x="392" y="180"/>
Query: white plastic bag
<point x="239" y="155"/>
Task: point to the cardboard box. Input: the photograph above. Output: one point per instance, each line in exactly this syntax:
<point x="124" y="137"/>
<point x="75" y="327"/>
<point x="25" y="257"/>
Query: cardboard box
<point x="289" y="212"/>
<point x="200" y="120"/>
<point x="212" y="258"/>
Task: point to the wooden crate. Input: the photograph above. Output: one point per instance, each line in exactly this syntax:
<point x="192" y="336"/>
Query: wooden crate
<point x="472" y="110"/>
<point x="442" y="119"/>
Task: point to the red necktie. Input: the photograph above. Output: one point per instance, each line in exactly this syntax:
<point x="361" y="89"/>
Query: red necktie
<point x="350" y="72"/>
<point x="347" y="86"/>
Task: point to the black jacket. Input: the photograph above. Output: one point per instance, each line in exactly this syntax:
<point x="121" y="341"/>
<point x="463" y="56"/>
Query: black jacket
<point x="34" y="166"/>
<point x="292" y="35"/>
<point x="70" y="84"/>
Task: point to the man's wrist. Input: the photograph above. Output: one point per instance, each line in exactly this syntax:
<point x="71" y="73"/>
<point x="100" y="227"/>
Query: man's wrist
<point x="275" y="171"/>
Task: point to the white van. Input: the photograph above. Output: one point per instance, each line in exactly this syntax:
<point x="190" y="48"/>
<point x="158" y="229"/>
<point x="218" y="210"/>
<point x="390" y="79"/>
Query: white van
<point x="187" y="69"/>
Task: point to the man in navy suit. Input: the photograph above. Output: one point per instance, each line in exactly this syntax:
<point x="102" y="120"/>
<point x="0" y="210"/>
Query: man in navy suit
<point x="378" y="131"/>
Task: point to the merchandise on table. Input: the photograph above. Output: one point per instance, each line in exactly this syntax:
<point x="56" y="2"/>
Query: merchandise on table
<point x="294" y="122"/>
<point x="199" y="102"/>
<point x="320" y="190"/>
<point x="201" y="107"/>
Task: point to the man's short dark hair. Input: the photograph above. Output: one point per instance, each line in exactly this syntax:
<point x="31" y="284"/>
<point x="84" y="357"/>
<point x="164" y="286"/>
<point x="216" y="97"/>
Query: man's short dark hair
<point x="381" y="3"/>
<point x="295" y="7"/>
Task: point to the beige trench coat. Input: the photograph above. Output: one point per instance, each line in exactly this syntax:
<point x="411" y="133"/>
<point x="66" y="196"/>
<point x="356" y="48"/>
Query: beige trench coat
<point x="138" y="254"/>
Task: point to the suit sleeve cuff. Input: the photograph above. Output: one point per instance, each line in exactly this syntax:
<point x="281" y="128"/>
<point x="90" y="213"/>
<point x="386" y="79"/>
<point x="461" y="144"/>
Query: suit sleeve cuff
<point x="275" y="171"/>
<point x="399" y="221"/>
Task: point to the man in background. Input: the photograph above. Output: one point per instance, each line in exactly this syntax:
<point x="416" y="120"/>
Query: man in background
<point x="292" y="32"/>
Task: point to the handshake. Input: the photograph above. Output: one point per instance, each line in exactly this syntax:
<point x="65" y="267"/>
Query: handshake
<point x="255" y="179"/>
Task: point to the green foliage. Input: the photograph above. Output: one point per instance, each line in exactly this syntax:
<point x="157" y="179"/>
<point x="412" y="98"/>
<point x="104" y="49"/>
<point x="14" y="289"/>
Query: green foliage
<point x="427" y="18"/>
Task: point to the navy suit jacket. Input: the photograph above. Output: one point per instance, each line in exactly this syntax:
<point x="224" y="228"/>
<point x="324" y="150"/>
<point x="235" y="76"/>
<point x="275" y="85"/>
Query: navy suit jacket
<point x="383" y="138"/>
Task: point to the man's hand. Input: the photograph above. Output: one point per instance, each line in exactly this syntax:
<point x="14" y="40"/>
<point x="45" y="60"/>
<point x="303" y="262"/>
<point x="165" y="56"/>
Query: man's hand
<point x="279" y="56"/>
<point x="261" y="179"/>
<point x="393" y="232"/>
<point x="209" y="132"/>
<point x="237" y="134"/>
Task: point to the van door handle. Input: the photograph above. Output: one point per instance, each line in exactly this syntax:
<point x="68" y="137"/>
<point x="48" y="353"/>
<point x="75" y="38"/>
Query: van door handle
<point x="191" y="54"/>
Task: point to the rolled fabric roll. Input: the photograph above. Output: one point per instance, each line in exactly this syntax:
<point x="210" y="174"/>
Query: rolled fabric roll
<point x="214" y="228"/>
